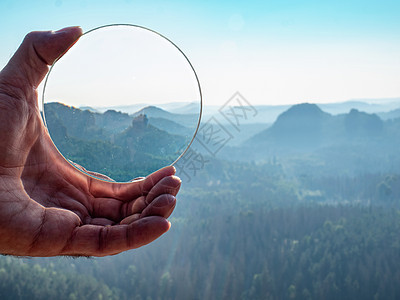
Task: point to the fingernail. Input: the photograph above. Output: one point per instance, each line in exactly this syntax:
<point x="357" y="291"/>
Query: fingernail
<point x="178" y="179"/>
<point x="70" y="28"/>
<point x="137" y="178"/>
<point x="164" y="200"/>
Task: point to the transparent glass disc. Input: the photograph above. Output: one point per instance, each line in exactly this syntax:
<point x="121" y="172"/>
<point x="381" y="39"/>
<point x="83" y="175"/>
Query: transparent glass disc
<point x="123" y="101"/>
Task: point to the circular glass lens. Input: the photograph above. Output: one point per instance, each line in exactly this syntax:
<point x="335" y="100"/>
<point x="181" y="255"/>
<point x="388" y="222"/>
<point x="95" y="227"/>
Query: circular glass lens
<point x="123" y="101"/>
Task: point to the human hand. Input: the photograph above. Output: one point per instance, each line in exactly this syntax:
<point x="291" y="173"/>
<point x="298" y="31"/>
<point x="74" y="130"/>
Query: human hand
<point x="47" y="206"/>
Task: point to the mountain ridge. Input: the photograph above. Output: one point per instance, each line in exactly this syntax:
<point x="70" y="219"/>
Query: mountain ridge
<point x="307" y="126"/>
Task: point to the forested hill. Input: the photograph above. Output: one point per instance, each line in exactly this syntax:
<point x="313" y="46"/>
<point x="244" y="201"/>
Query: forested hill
<point x="321" y="222"/>
<point x="302" y="125"/>
<point x="120" y="145"/>
<point x="187" y="120"/>
<point x="307" y="126"/>
<point x="307" y="138"/>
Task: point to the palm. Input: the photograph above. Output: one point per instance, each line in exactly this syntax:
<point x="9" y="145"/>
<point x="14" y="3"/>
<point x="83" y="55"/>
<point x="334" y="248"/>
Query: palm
<point x="53" y="209"/>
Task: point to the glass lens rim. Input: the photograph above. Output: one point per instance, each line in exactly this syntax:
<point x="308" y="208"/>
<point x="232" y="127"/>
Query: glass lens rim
<point x="149" y="30"/>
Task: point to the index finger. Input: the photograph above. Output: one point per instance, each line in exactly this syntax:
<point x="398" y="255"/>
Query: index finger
<point x="126" y="191"/>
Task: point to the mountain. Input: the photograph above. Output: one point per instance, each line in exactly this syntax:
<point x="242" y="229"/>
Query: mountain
<point x="270" y="113"/>
<point x="181" y="107"/>
<point x="154" y="112"/>
<point x="143" y="138"/>
<point x="116" y="121"/>
<point x="185" y="113"/>
<point x="171" y="126"/>
<point x="78" y="123"/>
<point x="87" y="123"/>
<point x="309" y="140"/>
<point x="89" y="108"/>
<point x="189" y="108"/>
<point x="361" y="105"/>
<point x="113" y="121"/>
<point x="129" y="109"/>
<point x="301" y="126"/>
<point x="173" y="107"/>
<point x="186" y="120"/>
<point x="393" y="114"/>
<point x="307" y="126"/>
<point x="361" y="124"/>
<point x="114" y="143"/>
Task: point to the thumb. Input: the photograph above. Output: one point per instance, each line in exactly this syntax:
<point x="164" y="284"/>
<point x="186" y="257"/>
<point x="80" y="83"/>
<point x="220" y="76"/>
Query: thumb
<point x="29" y="65"/>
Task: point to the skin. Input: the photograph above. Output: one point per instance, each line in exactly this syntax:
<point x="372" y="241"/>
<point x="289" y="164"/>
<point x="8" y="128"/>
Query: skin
<point x="47" y="206"/>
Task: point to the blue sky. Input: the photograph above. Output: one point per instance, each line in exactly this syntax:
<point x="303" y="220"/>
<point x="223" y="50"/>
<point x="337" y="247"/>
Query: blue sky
<point x="271" y="51"/>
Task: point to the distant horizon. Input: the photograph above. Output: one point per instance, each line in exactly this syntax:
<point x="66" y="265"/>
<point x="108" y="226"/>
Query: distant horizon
<point x="371" y="101"/>
<point x="176" y="104"/>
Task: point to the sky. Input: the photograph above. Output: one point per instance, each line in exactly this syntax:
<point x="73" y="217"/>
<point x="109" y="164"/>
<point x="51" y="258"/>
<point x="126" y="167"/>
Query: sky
<point x="122" y="65"/>
<point x="272" y="52"/>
